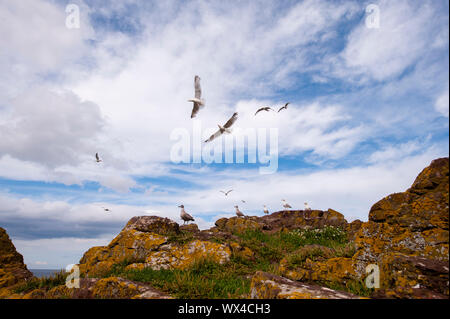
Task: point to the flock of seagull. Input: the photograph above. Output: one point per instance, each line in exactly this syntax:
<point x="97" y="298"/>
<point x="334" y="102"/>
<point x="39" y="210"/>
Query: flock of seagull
<point x="199" y="103"/>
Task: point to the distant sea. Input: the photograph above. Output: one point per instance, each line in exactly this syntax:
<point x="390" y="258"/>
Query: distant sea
<point x="44" y="272"/>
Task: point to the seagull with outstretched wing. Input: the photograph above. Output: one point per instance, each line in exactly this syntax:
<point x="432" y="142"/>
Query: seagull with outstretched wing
<point x="264" y="108"/>
<point x="197" y="100"/>
<point x="283" y="107"/>
<point x="226" y="193"/>
<point x="97" y="158"/>
<point x="224" y="129"/>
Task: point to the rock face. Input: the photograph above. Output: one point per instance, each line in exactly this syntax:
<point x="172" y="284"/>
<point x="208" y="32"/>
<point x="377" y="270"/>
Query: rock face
<point x="269" y="286"/>
<point x="406" y="236"/>
<point x="12" y="268"/>
<point x="404" y="228"/>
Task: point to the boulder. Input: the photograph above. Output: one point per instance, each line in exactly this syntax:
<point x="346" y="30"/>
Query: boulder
<point x="268" y="286"/>
<point x="144" y="242"/>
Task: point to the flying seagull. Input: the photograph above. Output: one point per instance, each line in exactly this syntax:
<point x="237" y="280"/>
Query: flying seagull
<point x="106" y="209"/>
<point x="238" y="212"/>
<point x="243" y="201"/>
<point x="266" y="211"/>
<point x="226" y="193"/>
<point x="283" y="107"/>
<point x="286" y="205"/>
<point x="198" y="102"/>
<point x="264" y="108"/>
<point x="97" y="158"/>
<point x="223" y="129"/>
<point x="185" y="216"/>
<point x="307" y="206"/>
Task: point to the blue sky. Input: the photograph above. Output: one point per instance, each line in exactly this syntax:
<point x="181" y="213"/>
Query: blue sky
<point x="368" y="110"/>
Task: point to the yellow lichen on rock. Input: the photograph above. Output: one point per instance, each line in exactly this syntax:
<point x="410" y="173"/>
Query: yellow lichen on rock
<point x="181" y="257"/>
<point x="238" y="224"/>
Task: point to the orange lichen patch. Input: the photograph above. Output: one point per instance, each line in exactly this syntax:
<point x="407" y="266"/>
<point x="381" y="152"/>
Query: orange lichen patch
<point x="60" y="292"/>
<point x="238" y="224"/>
<point x="337" y="269"/>
<point x="181" y="257"/>
<point x="114" y="288"/>
<point x="135" y="266"/>
<point x="119" y="288"/>
<point x="35" y="294"/>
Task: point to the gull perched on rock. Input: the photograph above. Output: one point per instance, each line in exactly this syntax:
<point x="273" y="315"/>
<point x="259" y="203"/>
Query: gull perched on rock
<point x="197" y="100"/>
<point x="283" y="107"/>
<point x="266" y="211"/>
<point x="185" y="216"/>
<point x="264" y="108"/>
<point x="286" y="205"/>
<point x="224" y="129"/>
<point x="307" y="206"/>
<point x="226" y="193"/>
<point x="97" y="158"/>
<point x="238" y="212"/>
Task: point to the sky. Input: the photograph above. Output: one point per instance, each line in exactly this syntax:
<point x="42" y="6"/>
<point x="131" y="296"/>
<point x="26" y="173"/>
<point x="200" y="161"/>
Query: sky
<point x="369" y="109"/>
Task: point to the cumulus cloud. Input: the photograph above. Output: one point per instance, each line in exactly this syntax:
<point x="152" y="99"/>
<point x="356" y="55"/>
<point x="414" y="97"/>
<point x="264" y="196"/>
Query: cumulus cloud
<point x="50" y="128"/>
<point x="406" y="32"/>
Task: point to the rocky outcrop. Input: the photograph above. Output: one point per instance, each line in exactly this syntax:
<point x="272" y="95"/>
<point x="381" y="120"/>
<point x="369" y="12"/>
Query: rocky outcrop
<point x="406" y="236"/>
<point x="269" y="286"/>
<point x="146" y="242"/>
<point x="407" y="227"/>
<point x="283" y="220"/>
<point x="12" y="268"/>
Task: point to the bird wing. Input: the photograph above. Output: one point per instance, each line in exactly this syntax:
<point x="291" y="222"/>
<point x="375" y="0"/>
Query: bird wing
<point x="259" y="110"/>
<point x="96" y="155"/>
<point x="282" y="108"/>
<point x="231" y="120"/>
<point x="189" y="216"/>
<point x="198" y="89"/>
<point x="195" y="109"/>
<point x="217" y="134"/>
<point x="229" y="191"/>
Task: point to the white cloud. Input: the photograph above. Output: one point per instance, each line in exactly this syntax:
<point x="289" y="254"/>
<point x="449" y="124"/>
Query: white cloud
<point x="442" y="104"/>
<point x="404" y="35"/>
